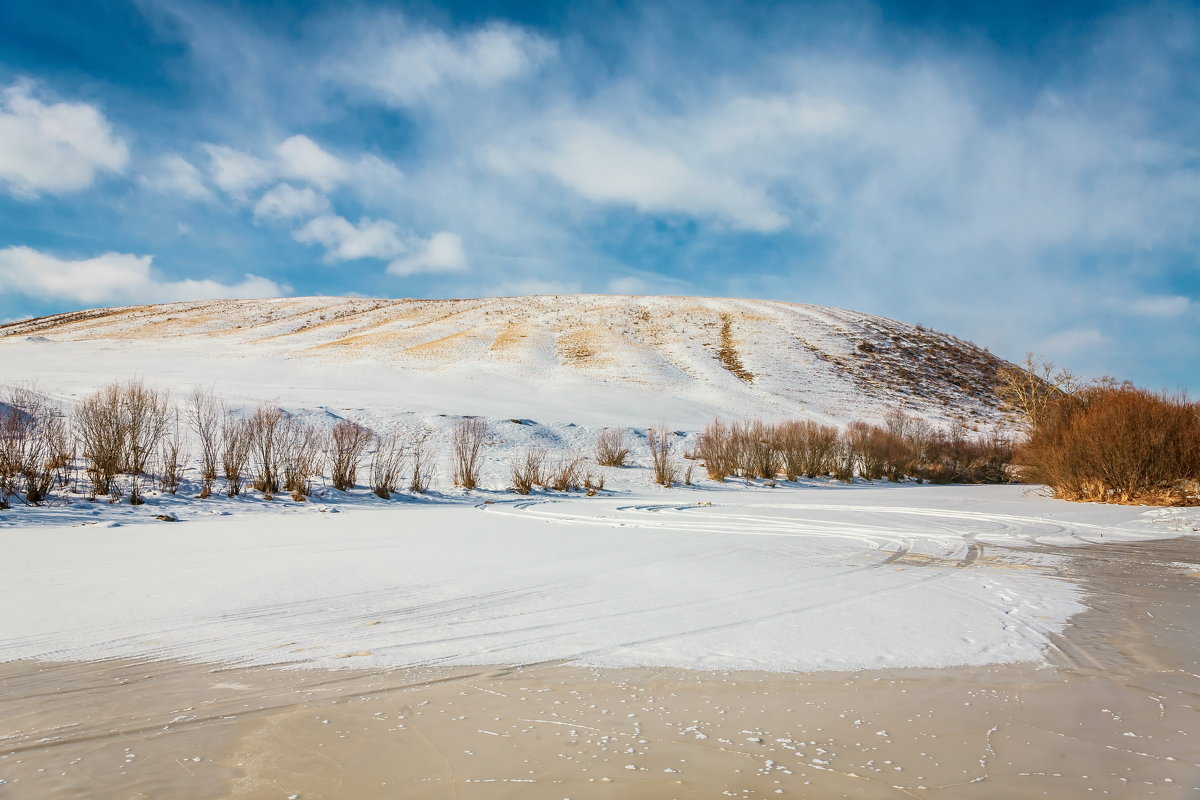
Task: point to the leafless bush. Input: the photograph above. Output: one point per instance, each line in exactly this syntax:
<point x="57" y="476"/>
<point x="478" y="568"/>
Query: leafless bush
<point x="716" y="447"/>
<point x="32" y="436"/>
<point x="101" y="430"/>
<point x="755" y="444"/>
<point x="145" y="415"/>
<point x="612" y="448"/>
<point x="528" y="470"/>
<point x="265" y="435"/>
<point x="805" y="448"/>
<point x="172" y="456"/>
<point x="664" y="469"/>
<point x="567" y="473"/>
<point x="843" y="459"/>
<point x="1117" y="445"/>
<point x="348" y="441"/>
<point x="424" y="462"/>
<point x="236" y="440"/>
<point x="301" y="445"/>
<point x="387" y="465"/>
<point x="203" y="414"/>
<point x="868" y="443"/>
<point x="466" y="451"/>
<point x="120" y="427"/>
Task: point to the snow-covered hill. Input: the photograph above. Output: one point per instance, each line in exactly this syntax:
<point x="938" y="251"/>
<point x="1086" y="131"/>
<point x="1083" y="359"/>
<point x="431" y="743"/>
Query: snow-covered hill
<point x="592" y="359"/>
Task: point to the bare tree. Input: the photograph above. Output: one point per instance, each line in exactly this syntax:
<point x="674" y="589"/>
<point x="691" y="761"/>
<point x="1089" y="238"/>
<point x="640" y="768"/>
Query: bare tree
<point x="348" y="441"/>
<point x="612" y="448"/>
<point x="387" y="464"/>
<point x="466" y="445"/>
<point x="203" y="413"/>
<point x="1030" y="387"/>
<point x="663" y="467"/>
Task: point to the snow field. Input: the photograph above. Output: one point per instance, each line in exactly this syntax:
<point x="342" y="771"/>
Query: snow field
<point x="808" y="578"/>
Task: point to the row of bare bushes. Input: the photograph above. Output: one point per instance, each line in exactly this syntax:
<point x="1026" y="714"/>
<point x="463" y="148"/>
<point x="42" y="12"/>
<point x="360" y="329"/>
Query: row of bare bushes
<point x="127" y="436"/>
<point x="903" y="448"/>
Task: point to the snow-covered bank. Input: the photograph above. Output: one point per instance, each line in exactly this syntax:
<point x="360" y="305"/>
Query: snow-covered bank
<point x="787" y="579"/>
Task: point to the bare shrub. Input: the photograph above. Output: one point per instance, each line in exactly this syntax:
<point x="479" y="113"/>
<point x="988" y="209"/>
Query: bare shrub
<point x="612" y="448"/>
<point x="387" y="465"/>
<point x="172" y="456"/>
<point x="145" y="415"/>
<point x="529" y="470"/>
<point x="32" y="435"/>
<point x="843" y="459"/>
<point x="664" y="469"/>
<point x="301" y="445"/>
<point x="203" y="413"/>
<point x="348" y="441"/>
<point x="423" y="461"/>
<point x="236" y="441"/>
<point x="567" y="473"/>
<point x="869" y="443"/>
<point x="466" y="451"/>
<point x="805" y="448"/>
<point x="100" y="427"/>
<point x="755" y="444"/>
<point x="716" y="447"/>
<point x="265" y="434"/>
<point x="1116" y="445"/>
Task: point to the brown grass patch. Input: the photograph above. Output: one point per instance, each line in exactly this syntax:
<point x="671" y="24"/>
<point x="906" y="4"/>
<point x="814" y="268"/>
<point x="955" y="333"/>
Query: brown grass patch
<point x="728" y="353"/>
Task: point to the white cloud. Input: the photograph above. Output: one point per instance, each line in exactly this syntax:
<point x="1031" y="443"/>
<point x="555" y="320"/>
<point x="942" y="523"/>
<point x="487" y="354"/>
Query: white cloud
<point x="1160" y="306"/>
<point x="405" y="67"/>
<point x="113" y="278"/>
<point x="287" y="202"/>
<point x="55" y="147"/>
<point x="443" y="252"/>
<point x="236" y="172"/>
<point x="173" y="174"/>
<point x="345" y="241"/>
<point x="301" y="158"/>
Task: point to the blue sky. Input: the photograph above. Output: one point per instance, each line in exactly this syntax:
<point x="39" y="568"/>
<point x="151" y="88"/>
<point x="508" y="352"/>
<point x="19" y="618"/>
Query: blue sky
<point x="1027" y="178"/>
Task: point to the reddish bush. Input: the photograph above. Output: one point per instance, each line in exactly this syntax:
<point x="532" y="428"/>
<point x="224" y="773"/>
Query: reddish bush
<point x="1116" y="445"/>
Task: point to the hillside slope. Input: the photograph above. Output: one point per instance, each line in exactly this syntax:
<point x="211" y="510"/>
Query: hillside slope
<point x="584" y="358"/>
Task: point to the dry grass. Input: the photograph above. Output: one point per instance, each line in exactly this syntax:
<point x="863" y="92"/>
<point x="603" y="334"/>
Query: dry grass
<point x="612" y="448"/>
<point x="728" y="354"/>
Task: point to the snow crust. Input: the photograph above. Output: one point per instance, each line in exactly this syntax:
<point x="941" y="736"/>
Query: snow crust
<point x="807" y="578"/>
